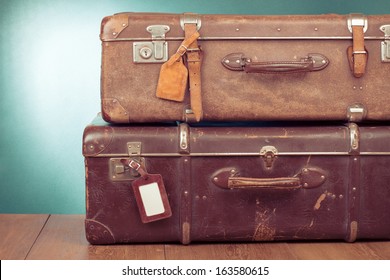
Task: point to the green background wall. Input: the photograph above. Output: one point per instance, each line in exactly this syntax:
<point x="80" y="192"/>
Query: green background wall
<point x="49" y="86"/>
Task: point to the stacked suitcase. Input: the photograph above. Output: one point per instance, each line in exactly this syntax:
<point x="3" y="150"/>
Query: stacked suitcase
<point x="240" y="128"/>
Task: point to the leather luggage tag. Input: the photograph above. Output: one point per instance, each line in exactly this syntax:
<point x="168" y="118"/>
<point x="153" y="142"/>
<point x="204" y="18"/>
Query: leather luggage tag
<point x="172" y="82"/>
<point x="150" y="195"/>
<point x="173" y="77"/>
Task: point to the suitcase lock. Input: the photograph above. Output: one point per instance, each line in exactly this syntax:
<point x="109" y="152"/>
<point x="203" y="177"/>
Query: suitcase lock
<point x="269" y="154"/>
<point x="121" y="172"/>
<point x="155" y="51"/>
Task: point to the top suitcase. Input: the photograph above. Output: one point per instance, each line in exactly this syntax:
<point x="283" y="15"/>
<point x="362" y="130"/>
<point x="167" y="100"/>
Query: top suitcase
<point x="189" y="67"/>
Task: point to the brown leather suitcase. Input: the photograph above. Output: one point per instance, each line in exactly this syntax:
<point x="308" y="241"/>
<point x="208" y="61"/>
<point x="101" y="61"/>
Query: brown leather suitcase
<point x="236" y="183"/>
<point x="241" y="67"/>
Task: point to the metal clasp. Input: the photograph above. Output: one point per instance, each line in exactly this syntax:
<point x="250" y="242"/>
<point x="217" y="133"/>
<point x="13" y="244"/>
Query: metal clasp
<point x="356" y="113"/>
<point x="184" y="138"/>
<point x="190" y="18"/>
<point x="385" y="45"/>
<point x="269" y="154"/>
<point x="357" y="20"/>
<point x="155" y="51"/>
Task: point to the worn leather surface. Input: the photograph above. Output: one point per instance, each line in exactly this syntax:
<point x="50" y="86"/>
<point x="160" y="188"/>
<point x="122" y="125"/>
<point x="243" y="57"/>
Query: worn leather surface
<point x="239" y="96"/>
<point x="351" y="203"/>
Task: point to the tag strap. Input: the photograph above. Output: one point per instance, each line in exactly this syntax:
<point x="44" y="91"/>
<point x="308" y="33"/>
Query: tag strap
<point x="136" y="166"/>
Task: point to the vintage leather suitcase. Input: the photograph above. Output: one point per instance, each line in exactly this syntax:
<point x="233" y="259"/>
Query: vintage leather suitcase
<point x="240" y="68"/>
<point x="236" y="183"/>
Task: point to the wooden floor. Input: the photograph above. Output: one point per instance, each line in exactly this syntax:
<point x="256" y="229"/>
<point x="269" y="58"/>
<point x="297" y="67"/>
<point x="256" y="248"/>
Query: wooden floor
<point x="60" y="237"/>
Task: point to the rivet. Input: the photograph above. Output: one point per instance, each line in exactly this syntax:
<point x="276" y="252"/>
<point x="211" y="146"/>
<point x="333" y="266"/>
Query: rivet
<point x="185" y="160"/>
<point x="123" y="24"/>
<point x="361" y="88"/>
<point x="204" y="197"/>
<point x="233" y="171"/>
<point x="305" y="185"/>
<point x="316" y="29"/>
<point x="197" y="197"/>
<point x="237" y="61"/>
<point x="305" y="170"/>
<point x="91" y="147"/>
<point x="341" y="196"/>
<point x="355" y="159"/>
<point x="279" y="29"/>
<point x="237" y="29"/>
<point x="322" y="177"/>
<point x="185" y="192"/>
<point x="114" y="33"/>
<point x="324" y="61"/>
<point x="227" y="61"/>
<point x="354" y="189"/>
<point x="354" y="87"/>
<point x="215" y="179"/>
<point x="334" y="196"/>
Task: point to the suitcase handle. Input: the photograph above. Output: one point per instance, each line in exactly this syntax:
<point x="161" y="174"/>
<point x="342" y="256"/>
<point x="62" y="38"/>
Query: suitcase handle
<point x="307" y="178"/>
<point x="309" y="63"/>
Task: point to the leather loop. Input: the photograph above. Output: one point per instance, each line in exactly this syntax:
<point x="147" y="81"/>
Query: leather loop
<point x="357" y="54"/>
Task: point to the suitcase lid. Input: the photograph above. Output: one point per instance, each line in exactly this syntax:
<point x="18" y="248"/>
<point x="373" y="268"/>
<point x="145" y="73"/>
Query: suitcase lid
<point x="102" y="139"/>
<point x="171" y="139"/>
<point x="134" y="26"/>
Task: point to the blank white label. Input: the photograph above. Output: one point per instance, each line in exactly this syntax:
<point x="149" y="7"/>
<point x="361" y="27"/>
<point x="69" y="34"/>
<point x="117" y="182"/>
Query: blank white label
<point x="151" y="198"/>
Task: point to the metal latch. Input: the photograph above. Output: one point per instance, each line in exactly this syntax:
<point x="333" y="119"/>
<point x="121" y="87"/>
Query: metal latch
<point x="356" y="113"/>
<point x="354" y="137"/>
<point x="269" y="154"/>
<point x="385" y="45"/>
<point x="119" y="171"/>
<point x="155" y="51"/>
<point x="357" y="20"/>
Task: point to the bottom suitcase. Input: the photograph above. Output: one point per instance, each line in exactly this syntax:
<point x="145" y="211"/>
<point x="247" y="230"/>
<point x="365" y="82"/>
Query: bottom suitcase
<point x="236" y="183"/>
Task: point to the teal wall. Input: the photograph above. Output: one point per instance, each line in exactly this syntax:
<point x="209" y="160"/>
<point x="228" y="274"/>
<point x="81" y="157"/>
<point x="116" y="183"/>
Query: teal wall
<point x="49" y="86"/>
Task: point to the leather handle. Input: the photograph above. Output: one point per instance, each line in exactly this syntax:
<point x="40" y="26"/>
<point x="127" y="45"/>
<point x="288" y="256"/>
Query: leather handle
<point x="309" y="63"/>
<point x="307" y="178"/>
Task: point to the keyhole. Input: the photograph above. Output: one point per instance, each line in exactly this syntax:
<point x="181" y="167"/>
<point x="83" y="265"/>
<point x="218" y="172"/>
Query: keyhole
<point x="145" y="52"/>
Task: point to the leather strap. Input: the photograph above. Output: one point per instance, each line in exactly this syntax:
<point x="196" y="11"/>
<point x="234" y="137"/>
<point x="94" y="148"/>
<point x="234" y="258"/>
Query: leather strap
<point x="357" y="54"/>
<point x="194" y="60"/>
<point x="185" y="45"/>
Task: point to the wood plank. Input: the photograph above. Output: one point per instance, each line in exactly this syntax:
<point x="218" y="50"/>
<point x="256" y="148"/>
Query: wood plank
<point x="127" y="252"/>
<point x="381" y="249"/>
<point x="334" y="251"/>
<point x="18" y="233"/>
<point x="64" y="238"/>
<point x="233" y="251"/>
